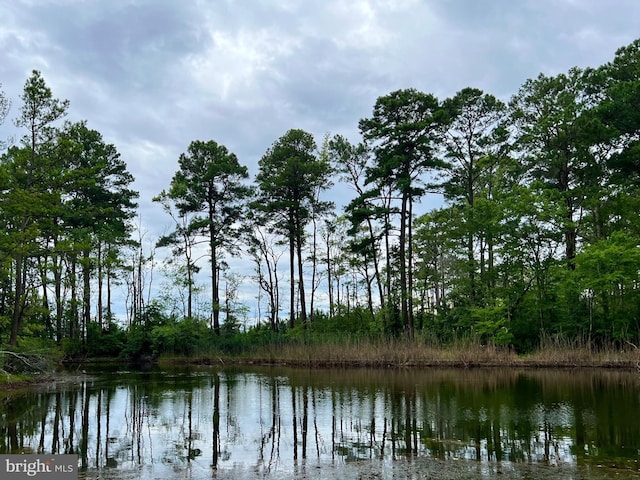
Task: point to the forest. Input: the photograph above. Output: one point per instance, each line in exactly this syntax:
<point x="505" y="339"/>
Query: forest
<point x="538" y="236"/>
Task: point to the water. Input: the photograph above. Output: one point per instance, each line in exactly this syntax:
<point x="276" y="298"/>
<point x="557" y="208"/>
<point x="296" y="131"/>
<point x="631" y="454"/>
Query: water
<point x="280" y="424"/>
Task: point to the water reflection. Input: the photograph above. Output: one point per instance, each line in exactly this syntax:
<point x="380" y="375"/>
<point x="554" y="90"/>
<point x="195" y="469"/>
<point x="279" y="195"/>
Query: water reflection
<point x="242" y="423"/>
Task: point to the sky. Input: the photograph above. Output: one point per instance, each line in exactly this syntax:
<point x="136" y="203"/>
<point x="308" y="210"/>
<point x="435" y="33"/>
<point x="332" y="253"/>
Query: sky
<point x="153" y="75"/>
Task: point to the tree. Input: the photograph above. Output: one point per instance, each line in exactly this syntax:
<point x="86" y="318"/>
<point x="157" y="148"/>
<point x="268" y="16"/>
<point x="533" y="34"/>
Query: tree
<point x="561" y="147"/>
<point x="28" y="198"/>
<point x="619" y="109"/>
<point x="474" y="143"/>
<point x="605" y="265"/>
<point x="434" y="247"/>
<point x="210" y="183"/>
<point x="5" y="276"/>
<point x="5" y="106"/>
<point x="320" y="210"/>
<point x="405" y="127"/>
<point x="615" y="130"/>
<point x="98" y="204"/>
<point x="547" y="113"/>
<point x="352" y="162"/>
<point x="266" y="257"/>
<point x="140" y="265"/>
<point x="607" y="273"/>
<point x="183" y="240"/>
<point x="288" y="181"/>
<point x="65" y="207"/>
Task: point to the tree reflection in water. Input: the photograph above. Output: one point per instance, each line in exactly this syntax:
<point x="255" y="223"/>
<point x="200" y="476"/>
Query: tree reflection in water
<point x="269" y="422"/>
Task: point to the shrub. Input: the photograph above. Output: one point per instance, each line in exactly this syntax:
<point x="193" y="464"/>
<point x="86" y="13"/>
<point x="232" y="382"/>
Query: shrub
<point x="105" y="342"/>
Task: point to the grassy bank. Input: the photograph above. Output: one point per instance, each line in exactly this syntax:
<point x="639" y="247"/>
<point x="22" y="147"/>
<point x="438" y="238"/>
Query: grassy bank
<point x="326" y="351"/>
<point x="404" y="354"/>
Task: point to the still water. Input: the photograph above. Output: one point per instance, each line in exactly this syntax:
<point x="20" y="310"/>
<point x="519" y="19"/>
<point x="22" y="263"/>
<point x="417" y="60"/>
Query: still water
<point x="280" y="424"/>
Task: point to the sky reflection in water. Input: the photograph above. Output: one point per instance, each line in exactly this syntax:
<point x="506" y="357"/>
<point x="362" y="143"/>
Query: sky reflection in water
<point x="333" y="424"/>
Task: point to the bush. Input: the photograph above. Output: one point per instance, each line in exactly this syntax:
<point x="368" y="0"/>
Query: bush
<point x="138" y="343"/>
<point x="357" y="321"/>
<point x="72" y="348"/>
<point x="107" y="342"/>
<point x="185" y="337"/>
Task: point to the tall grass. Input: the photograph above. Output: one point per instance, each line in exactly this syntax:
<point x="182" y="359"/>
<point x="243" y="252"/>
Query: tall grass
<point x="351" y="352"/>
<point x="379" y="352"/>
<point x="565" y="352"/>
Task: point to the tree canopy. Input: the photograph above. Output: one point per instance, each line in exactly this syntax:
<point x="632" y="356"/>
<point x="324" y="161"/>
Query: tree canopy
<point x="537" y="233"/>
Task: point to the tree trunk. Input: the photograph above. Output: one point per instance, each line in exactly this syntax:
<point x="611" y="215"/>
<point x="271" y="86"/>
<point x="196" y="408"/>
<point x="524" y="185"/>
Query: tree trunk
<point x="376" y="265"/>
<point x="410" y="267"/>
<point x="329" y="273"/>
<point x="404" y="306"/>
<point x="314" y="267"/>
<point x="215" y="294"/>
<point x="73" y="321"/>
<point x="109" y="315"/>
<point x="274" y="297"/>
<point x="369" y="281"/>
<point x="42" y="264"/>
<point x="16" y="316"/>
<point x="57" y="279"/>
<point x="387" y="226"/>
<point x="303" y="305"/>
<point x="86" y="293"/>
<point x="100" y="285"/>
<point x="292" y="287"/>
<point x="189" y="289"/>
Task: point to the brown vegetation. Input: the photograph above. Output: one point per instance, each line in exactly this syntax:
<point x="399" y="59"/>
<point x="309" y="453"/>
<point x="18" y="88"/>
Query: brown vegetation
<point x="404" y="354"/>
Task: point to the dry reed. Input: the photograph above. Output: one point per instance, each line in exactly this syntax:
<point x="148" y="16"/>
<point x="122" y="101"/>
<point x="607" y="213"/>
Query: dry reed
<point x="462" y="354"/>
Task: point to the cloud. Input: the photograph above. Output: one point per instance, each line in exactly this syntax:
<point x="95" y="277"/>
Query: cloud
<point x="165" y="73"/>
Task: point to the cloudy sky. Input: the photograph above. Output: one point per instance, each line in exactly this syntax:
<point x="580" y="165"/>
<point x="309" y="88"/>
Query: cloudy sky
<point x="153" y="75"/>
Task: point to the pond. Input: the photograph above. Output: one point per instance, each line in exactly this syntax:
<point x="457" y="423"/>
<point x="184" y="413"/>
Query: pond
<point x="280" y="423"/>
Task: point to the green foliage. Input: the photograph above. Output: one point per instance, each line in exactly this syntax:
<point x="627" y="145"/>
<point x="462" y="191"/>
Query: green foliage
<point x="73" y="348"/>
<point x="609" y="264"/>
<point x="210" y="196"/>
<point x="186" y="337"/>
<point x="139" y="339"/>
<point x="290" y="178"/>
<point x="64" y="201"/>
<point x="538" y="237"/>
<point x="403" y="133"/>
<point x="262" y="334"/>
<point x="358" y="321"/>
<point x="491" y="324"/>
<point x="607" y="275"/>
<point x="105" y="342"/>
<point x="138" y="344"/>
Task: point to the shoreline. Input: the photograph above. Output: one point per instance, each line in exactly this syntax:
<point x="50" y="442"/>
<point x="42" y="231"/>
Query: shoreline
<point x="387" y="365"/>
<point x="394" y="355"/>
<point x="354" y="356"/>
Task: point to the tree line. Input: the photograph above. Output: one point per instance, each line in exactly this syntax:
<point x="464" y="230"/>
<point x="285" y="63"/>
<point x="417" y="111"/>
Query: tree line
<point x="539" y="232"/>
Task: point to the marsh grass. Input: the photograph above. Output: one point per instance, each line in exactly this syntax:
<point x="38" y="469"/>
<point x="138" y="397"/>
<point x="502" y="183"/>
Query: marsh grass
<point x="386" y="353"/>
<point x="399" y="353"/>
<point x="563" y="352"/>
